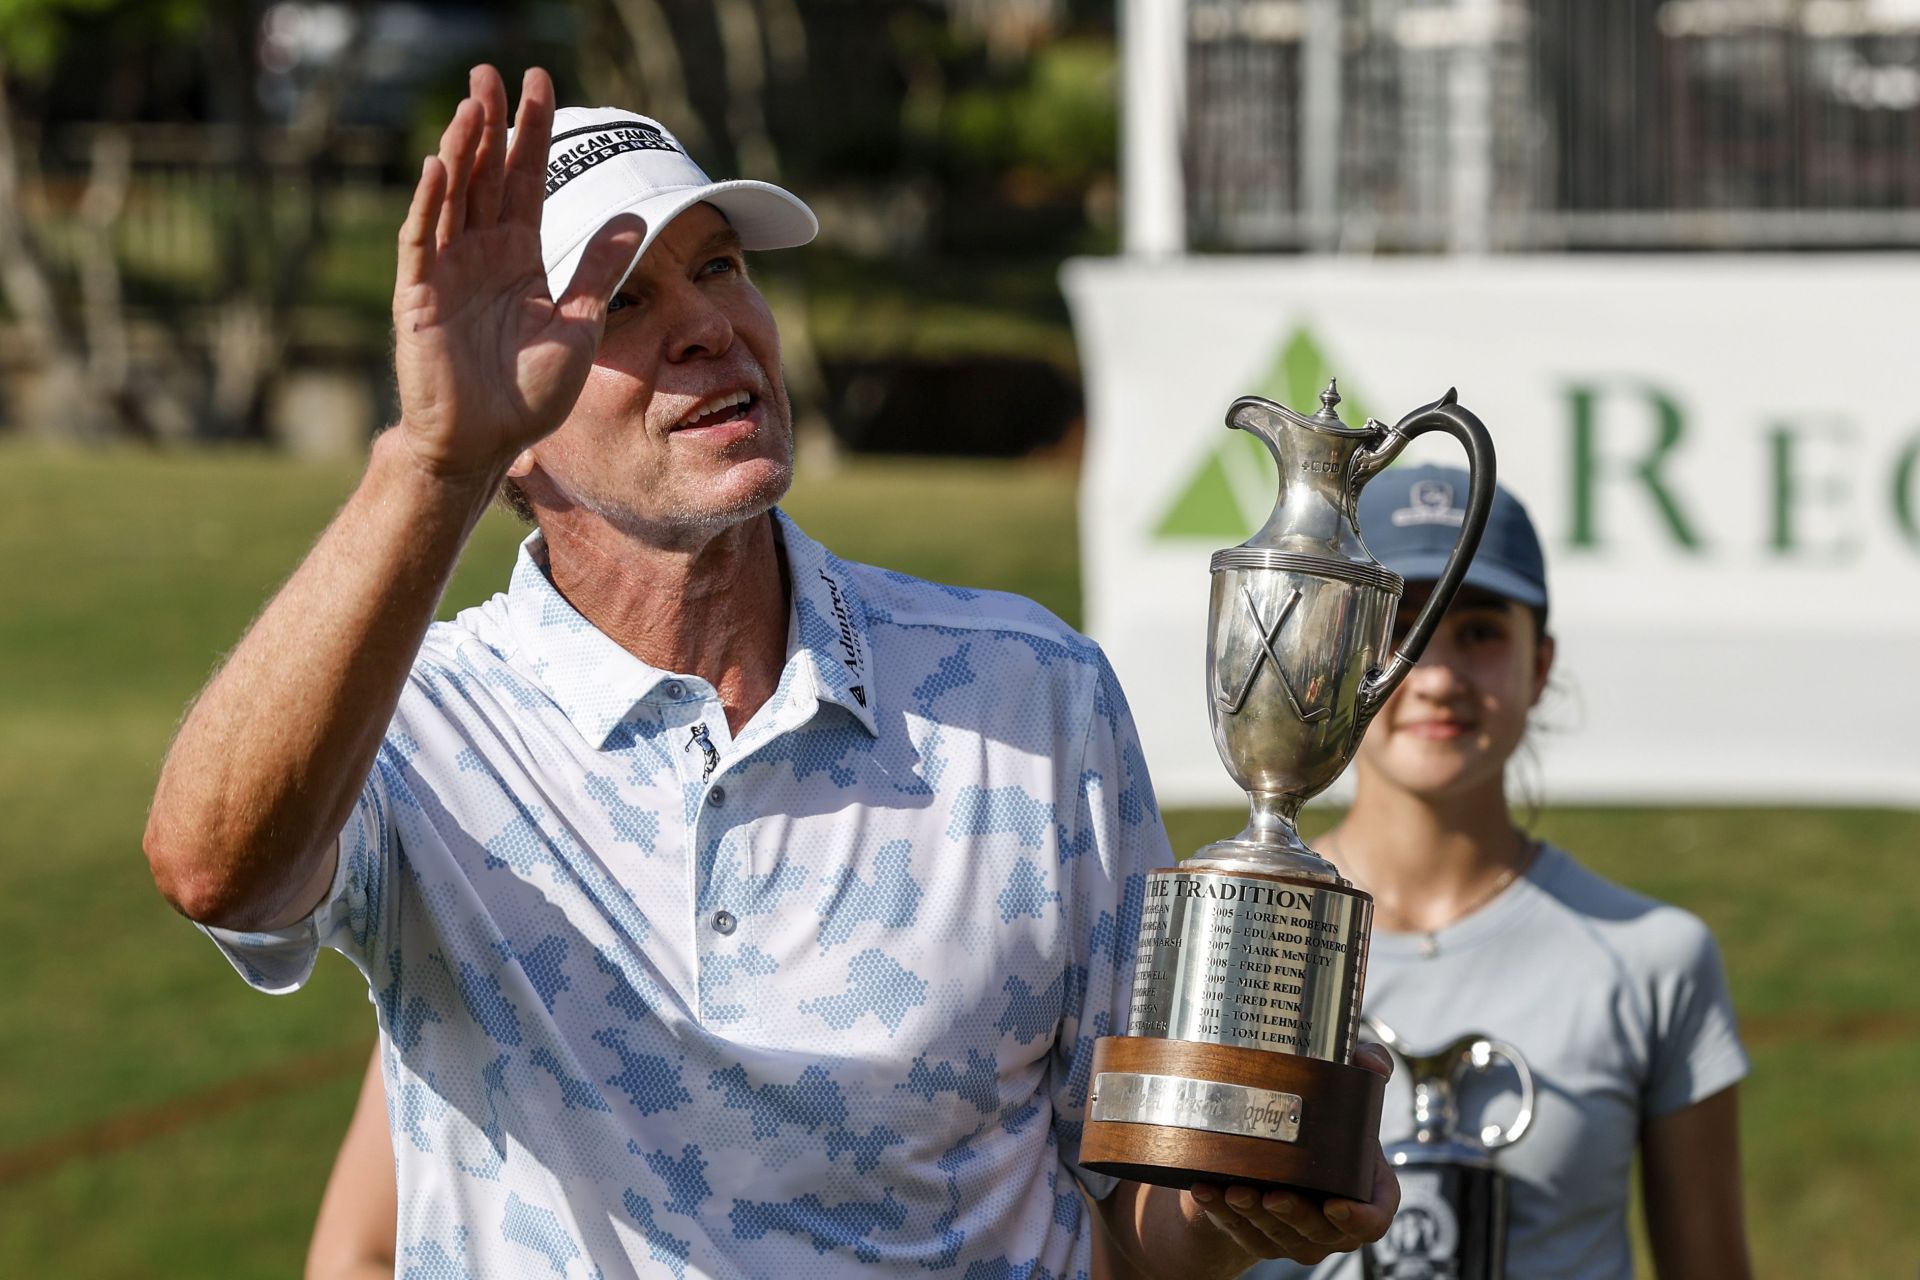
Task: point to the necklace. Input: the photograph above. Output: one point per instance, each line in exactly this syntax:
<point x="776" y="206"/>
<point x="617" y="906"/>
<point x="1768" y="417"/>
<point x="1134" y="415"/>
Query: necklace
<point x="1398" y="922"/>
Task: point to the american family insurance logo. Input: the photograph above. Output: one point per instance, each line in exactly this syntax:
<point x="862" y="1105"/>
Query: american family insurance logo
<point x="599" y="143"/>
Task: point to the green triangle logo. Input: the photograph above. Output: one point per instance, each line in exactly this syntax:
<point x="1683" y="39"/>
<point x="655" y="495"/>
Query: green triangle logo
<point x="1232" y="490"/>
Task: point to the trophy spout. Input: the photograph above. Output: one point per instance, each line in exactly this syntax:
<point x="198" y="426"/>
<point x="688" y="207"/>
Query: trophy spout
<point x="1262" y="419"/>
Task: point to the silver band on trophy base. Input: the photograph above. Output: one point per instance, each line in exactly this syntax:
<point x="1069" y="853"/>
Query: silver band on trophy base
<point x="1252" y="953"/>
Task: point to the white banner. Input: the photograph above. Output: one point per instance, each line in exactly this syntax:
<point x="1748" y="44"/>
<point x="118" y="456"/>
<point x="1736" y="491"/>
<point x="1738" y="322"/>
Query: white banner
<point x="1722" y="455"/>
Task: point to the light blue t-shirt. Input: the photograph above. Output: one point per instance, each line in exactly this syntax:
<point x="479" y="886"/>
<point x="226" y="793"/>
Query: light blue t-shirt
<point x="1619" y="1005"/>
<point x="817" y="1001"/>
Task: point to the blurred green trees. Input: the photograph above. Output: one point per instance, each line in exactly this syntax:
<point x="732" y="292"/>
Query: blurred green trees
<point x="198" y="197"/>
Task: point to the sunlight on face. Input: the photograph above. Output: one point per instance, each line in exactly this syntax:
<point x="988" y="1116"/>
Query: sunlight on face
<point x="684" y="426"/>
<point x="1459" y="716"/>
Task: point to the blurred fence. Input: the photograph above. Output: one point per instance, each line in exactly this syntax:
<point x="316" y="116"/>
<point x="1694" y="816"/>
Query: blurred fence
<point x="179" y="205"/>
<point x="1476" y="125"/>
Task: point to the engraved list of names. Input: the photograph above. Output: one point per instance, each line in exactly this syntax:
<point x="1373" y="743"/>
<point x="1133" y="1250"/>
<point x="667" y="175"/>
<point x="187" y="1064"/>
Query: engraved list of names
<point x="1249" y="961"/>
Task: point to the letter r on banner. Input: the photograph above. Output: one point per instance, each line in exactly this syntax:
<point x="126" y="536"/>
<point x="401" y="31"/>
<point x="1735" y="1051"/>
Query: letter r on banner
<point x="1669" y="427"/>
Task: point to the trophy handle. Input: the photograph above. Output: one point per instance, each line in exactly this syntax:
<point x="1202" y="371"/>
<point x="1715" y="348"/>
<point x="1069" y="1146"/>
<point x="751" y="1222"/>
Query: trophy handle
<point x="1480" y="1057"/>
<point x="1448" y="415"/>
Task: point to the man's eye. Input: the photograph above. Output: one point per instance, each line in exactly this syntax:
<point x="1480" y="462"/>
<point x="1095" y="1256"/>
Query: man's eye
<point x="619" y="302"/>
<point x="720" y="266"/>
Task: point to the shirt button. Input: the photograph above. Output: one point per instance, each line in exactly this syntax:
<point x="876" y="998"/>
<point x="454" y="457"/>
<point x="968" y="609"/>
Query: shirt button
<point x="724" y="923"/>
<point x="674" y="689"/>
<point x="717" y="796"/>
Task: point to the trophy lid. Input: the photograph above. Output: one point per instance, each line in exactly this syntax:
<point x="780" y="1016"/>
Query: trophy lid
<point x="1253" y="413"/>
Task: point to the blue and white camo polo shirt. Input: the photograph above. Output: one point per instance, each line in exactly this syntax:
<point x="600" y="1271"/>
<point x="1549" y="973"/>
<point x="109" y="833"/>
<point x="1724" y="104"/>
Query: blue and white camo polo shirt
<point x="819" y="1000"/>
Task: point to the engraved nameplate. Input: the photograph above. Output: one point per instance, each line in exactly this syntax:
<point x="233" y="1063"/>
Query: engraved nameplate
<point x="1130" y="1097"/>
<point x="1250" y="961"/>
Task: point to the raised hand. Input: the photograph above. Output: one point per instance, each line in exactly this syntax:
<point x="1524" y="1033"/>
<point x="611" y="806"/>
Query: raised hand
<point x="487" y="361"/>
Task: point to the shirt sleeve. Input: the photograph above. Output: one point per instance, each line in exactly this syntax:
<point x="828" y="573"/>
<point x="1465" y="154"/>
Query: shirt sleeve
<point x="1114" y="838"/>
<point x="1696" y="1049"/>
<point x="280" y="961"/>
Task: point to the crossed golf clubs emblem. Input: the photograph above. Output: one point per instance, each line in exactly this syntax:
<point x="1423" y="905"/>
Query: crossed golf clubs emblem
<point x="1266" y="654"/>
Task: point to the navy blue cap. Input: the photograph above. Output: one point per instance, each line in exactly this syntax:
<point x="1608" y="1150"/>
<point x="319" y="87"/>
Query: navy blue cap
<point x="1410" y="517"/>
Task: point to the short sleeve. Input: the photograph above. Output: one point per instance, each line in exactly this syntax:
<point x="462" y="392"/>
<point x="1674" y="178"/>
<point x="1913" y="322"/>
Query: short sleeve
<point x="1115" y="838"/>
<point x="1696" y="1042"/>
<point x="280" y="961"/>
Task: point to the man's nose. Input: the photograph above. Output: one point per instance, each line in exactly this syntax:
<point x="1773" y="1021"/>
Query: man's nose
<point x="699" y="328"/>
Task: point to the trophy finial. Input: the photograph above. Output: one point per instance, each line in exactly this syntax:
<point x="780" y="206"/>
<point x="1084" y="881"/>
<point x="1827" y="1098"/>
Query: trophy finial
<point x="1329" y="399"/>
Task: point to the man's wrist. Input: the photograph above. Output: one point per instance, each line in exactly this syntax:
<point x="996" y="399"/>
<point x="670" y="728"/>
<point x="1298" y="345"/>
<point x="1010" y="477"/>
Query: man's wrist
<point x="465" y="489"/>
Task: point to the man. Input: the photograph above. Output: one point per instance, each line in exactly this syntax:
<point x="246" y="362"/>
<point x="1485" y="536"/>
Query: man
<point x="730" y="909"/>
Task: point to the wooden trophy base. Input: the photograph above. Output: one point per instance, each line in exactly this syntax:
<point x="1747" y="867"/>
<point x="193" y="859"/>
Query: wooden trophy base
<point x="1333" y="1153"/>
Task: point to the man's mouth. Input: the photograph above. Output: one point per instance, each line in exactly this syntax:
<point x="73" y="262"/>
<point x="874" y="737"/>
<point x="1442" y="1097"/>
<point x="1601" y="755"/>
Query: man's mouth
<point x="717" y="411"/>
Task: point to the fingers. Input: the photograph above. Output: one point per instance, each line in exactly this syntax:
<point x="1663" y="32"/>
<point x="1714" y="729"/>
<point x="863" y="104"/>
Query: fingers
<point x="608" y="258"/>
<point x="1362" y="1221"/>
<point x="487" y="183"/>
<point x="1273" y="1224"/>
<point x="1281" y="1212"/>
<point x="1374" y="1058"/>
<point x="458" y="146"/>
<point x="1277" y="1223"/>
<point x="417" y="247"/>
<point x="1244" y="1233"/>
<point x="525" y="188"/>
<point x="1369" y="1221"/>
<point x="484" y="180"/>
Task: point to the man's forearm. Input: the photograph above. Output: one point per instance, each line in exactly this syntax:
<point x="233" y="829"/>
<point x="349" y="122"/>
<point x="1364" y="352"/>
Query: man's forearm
<point x="266" y="767"/>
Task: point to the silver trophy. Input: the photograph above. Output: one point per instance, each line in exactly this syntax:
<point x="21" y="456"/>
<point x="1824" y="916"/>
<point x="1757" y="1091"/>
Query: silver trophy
<point x="1452" y="1223"/>
<point x="1246" y="999"/>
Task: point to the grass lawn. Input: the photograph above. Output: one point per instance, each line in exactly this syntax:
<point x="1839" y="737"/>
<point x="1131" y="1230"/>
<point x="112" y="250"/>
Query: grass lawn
<point x="157" y="1119"/>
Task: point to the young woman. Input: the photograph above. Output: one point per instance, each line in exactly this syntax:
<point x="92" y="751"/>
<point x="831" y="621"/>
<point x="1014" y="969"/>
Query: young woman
<point x="1618" y="1003"/>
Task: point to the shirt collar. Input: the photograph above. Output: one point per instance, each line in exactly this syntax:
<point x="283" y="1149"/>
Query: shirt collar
<point x="596" y="683"/>
<point x="829" y="628"/>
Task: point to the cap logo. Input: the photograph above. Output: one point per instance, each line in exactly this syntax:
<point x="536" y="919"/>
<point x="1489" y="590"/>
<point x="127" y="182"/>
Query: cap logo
<point x="1429" y="502"/>
<point x="602" y="142"/>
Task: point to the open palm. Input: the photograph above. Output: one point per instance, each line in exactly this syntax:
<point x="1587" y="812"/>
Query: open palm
<point x="487" y="361"/>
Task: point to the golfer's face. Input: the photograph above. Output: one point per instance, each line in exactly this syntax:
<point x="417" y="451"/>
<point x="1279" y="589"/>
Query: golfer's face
<point x="684" y="421"/>
<point x="1461" y="713"/>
